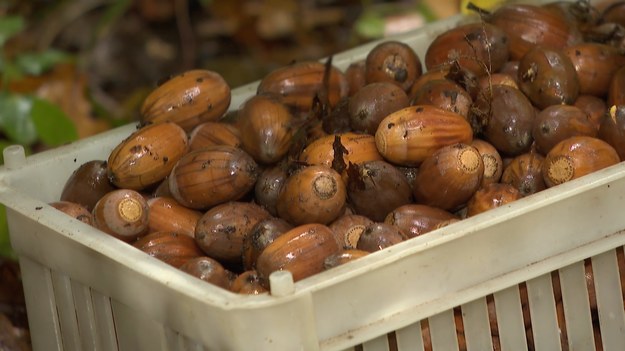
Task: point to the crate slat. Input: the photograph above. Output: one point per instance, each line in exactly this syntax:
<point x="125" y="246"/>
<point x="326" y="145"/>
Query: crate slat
<point x="476" y="325"/>
<point x="576" y="307"/>
<point x="543" y="313"/>
<point x="103" y="313"/>
<point x="443" y="331"/>
<point x="67" y="312"/>
<point x="510" y="320"/>
<point x="609" y="301"/>
<point x="409" y="338"/>
<point x="135" y="331"/>
<point x="85" y="317"/>
<point x="42" y="316"/>
<point x="377" y="344"/>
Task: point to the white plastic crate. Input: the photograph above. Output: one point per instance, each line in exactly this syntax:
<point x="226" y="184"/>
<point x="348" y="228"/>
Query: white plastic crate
<point x="88" y="291"/>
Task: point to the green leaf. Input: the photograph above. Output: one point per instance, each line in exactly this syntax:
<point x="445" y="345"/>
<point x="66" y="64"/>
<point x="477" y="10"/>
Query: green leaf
<point x="15" y="119"/>
<point x="9" y="26"/>
<point x="370" y="25"/>
<point x="52" y="124"/>
<point x="5" y="245"/>
<point x="38" y="63"/>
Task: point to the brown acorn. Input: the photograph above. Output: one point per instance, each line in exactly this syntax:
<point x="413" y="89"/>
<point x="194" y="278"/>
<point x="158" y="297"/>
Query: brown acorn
<point x="314" y="194"/>
<point x="87" y="184"/>
<point x="417" y="219"/>
<point x="612" y="129"/>
<point x="348" y="228"/>
<point x="408" y="136"/>
<point x="222" y="229"/>
<point x="548" y="77"/>
<point x="300" y="82"/>
<point x="378" y="236"/>
<point x="478" y="47"/>
<point x="558" y="122"/>
<point x="492" y="196"/>
<point x="445" y="94"/>
<point x="524" y="172"/>
<point x="211" y="176"/>
<point x="147" y="156"/>
<point x="171" y="248"/>
<point x="449" y="177"/>
<point x="377" y="180"/>
<point x="355" y="76"/>
<point x="616" y="91"/>
<point x="486" y="82"/>
<point x="214" y="133"/>
<point x="575" y="157"/>
<point x="595" y="65"/>
<point x="122" y="213"/>
<point x="343" y="257"/>
<point x="248" y="283"/>
<point x="393" y="61"/>
<point x="594" y="107"/>
<point x="267" y="128"/>
<point x="209" y="270"/>
<point x="188" y="99"/>
<point x="506" y="117"/>
<point x="167" y="215"/>
<point x="260" y="236"/>
<point x="75" y="210"/>
<point x="301" y="251"/>
<point x="528" y="26"/>
<point x="372" y="103"/>
<point x="493" y="164"/>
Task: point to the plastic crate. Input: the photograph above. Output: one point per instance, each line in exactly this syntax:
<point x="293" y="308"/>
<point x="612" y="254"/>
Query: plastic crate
<point x="88" y="291"/>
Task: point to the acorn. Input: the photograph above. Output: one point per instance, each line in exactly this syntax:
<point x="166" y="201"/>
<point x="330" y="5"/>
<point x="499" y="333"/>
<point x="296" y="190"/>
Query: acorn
<point x="524" y="172"/>
<point x="268" y="186"/>
<point x="355" y="76"/>
<point x="595" y="64"/>
<point x="393" y="61"/>
<point x="300" y="82"/>
<point x="492" y="196"/>
<point x="171" y="248"/>
<point x="314" y="194"/>
<point x="449" y="177"/>
<point x="343" y="257"/>
<point x="548" y="77"/>
<point x="378" y="236"/>
<point x="214" y="133"/>
<point x="209" y="270"/>
<point x="348" y="228"/>
<point x="355" y="148"/>
<point x="301" y="251"/>
<point x="188" y="99"/>
<point x="377" y="180"/>
<point x="248" y="283"/>
<point x="213" y="175"/>
<point x="594" y="107"/>
<point x="408" y="136"/>
<point x="505" y="116"/>
<point x="616" y="91"/>
<point x="221" y="231"/>
<point x="147" y="156"/>
<point x="575" y="157"/>
<point x="612" y="129"/>
<point x="260" y="236"/>
<point x="372" y="103"/>
<point x="493" y="164"/>
<point x="122" y="213"/>
<point x="168" y="215"/>
<point x="87" y="184"/>
<point x="267" y="128"/>
<point x="417" y="219"/>
<point x="558" y="122"/>
<point x="445" y="94"/>
<point x="74" y="210"/>
<point x="478" y="47"/>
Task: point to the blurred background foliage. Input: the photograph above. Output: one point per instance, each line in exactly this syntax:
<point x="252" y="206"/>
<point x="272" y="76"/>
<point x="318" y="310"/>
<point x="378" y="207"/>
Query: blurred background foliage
<point x="73" y="68"/>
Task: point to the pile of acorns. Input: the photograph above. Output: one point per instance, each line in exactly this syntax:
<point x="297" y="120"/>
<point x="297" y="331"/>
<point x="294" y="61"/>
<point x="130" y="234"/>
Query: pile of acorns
<point x="321" y="166"/>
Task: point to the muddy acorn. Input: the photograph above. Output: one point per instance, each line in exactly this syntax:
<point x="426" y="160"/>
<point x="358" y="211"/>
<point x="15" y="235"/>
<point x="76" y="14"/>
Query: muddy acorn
<point x="378" y="236"/>
<point x="188" y="99"/>
<point x="395" y="62"/>
<point x="558" y="122"/>
<point x="260" y="236"/>
<point x="418" y="219"/>
<point x="87" y="184"/>
<point x="524" y="172"/>
<point x="147" y="156"/>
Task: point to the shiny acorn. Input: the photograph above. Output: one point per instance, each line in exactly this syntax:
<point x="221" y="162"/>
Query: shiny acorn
<point x="122" y="213"/>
